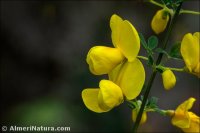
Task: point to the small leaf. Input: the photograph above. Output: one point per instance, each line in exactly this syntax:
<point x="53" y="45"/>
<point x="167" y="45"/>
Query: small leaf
<point x="152" y="42"/>
<point x="150" y="60"/>
<point x="166" y="2"/>
<point x="132" y="104"/>
<point x="152" y="103"/>
<point x="142" y="39"/>
<point x="153" y="100"/>
<point x="175" y="51"/>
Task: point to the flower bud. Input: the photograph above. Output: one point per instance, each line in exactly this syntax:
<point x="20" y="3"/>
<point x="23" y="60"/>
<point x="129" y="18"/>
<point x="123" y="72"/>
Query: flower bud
<point x="102" y="59"/>
<point x="159" y="21"/>
<point x="134" y="116"/>
<point x="169" y="79"/>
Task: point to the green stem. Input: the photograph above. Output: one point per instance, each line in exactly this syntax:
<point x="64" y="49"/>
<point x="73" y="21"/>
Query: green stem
<point x="176" y="69"/>
<point x="172" y="68"/>
<point x="142" y="57"/>
<point x="153" y="75"/>
<point x="156" y="3"/>
<point x="189" y="12"/>
<point x="162" y="6"/>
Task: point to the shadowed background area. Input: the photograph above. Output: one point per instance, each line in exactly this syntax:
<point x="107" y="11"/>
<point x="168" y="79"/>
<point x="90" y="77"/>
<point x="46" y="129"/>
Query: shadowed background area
<point x="43" y="67"/>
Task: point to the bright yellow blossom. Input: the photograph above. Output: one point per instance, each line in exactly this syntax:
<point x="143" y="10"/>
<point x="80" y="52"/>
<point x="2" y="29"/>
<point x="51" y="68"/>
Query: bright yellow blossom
<point x="169" y="79"/>
<point x="182" y="118"/>
<point x="159" y="21"/>
<point x="104" y="98"/>
<point x="103" y="59"/>
<point x="135" y="113"/>
<point x="126" y="79"/>
<point x="190" y="52"/>
<point x="126" y="72"/>
<point x="126" y="41"/>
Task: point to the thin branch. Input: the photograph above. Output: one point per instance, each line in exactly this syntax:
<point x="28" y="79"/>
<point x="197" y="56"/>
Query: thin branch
<point x="189" y="12"/>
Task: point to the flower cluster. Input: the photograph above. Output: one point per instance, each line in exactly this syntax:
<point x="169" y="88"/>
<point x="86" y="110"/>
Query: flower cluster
<point x="126" y="72"/>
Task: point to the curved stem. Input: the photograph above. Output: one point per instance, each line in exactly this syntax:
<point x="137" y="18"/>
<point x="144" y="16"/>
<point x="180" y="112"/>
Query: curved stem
<point x="156" y="3"/>
<point x="162" y="6"/>
<point x="142" y="57"/>
<point x="153" y="75"/>
<point x="189" y="12"/>
<point x="172" y="68"/>
<point x="177" y="69"/>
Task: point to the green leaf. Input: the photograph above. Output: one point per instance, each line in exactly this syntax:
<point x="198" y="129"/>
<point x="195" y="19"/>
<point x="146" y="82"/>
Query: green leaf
<point x="150" y="60"/>
<point x="132" y="104"/>
<point x="152" y="42"/>
<point x="152" y="104"/>
<point x="166" y="2"/>
<point x="153" y="100"/>
<point x="172" y="3"/>
<point x="142" y="39"/>
<point x="175" y="51"/>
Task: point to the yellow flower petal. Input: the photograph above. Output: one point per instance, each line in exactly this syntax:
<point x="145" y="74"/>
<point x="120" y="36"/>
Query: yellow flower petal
<point x="186" y="105"/>
<point x="110" y="95"/>
<point x="190" y="50"/>
<point x="143" y="119"/>
<point x="194" y="124"/>
<point x="169" y="79"/>
<point x="196" y="35"/>
<point x="125" y="37"/>
<point x="129" y="42"/>
<point x="159" y="21"/>
<point x="197" y="38"/>
<point x="115" y="25"/>
<point x="131" y="78"/>
<point x="102" y="59"/>
<point x="114" y="73"/>
<point x="181" y="118"/>
<point x="90" y="99"/>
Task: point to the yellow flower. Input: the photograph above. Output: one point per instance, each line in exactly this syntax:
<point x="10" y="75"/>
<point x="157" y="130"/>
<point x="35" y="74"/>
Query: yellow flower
<point x="190" y="52"/>
<point x="103" y="59"/>
<point x="126" y="79"/>
<point x="169" y="79"/>
<point x="187" y="121"/>
<point x="159" y="21"/>
<point x="135" y="113"/>
<point x="126" y="41"/>
<point x="104" y="98"/>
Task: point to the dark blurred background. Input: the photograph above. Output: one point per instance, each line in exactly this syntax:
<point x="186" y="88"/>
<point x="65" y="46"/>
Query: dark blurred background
<point x="43" y="69"/>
